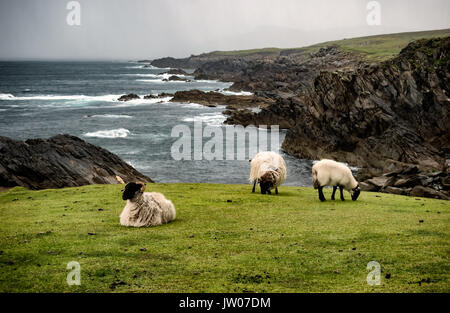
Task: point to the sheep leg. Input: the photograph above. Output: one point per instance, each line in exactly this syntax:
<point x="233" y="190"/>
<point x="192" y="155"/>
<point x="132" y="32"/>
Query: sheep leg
<point x="334" y="191"/>
<point x="254" y="185"/>
<point x="341" y="189"/>
<point x="276" y="190"/>
<point x="268" y="192"/>
<point x="321" y="196"/>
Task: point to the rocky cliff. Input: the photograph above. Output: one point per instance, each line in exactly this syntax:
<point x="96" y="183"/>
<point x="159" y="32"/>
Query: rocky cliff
<point x="396" y="110"/>
<point x="60" y="161"/>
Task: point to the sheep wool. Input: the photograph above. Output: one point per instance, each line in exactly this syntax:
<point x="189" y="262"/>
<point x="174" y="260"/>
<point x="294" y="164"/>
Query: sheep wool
<point x="269" y="169"/>
<point x="146" y="208"/>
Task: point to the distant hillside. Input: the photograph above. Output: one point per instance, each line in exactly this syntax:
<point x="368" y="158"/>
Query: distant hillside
<point x="379" y="47"/>
<point x="370" y="48"/>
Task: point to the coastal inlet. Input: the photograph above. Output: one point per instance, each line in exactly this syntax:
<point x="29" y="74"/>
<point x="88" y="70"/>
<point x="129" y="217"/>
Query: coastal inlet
<point x="43" y="99"/>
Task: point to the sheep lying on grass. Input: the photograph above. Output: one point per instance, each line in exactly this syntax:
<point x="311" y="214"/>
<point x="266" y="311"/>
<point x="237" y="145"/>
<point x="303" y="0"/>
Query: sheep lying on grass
<point x="332" y="173"/>
<point x="267" y="168"/>
<point x="145" y="208"/>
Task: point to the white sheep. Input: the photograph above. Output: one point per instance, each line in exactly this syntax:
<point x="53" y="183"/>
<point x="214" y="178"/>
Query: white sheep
<point x="145" y="208"/>
<point x="269" y="170"/>
<point x="332" y="173"/>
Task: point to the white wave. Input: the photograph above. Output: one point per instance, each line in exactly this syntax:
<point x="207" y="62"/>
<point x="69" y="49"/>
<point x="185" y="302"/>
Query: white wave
<point x="158" y="76"/>
<point x="206" y="81"/>
<point x="236" y="93"/>
<point x="84" y="98"/>
<point x="134" y="102"/>
<point x="191" y="105"/>
<point x="110" y="116"/>
<point x="6" y="96"/>
<point x="161" y="81"/>
<point x="212" y="119"/>
<point x="113" y="133"/>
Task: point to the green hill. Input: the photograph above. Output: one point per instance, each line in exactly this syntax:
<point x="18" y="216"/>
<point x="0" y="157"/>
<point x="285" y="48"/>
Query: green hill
<point x="372" y="48"/>
<point x="225" y="239"/>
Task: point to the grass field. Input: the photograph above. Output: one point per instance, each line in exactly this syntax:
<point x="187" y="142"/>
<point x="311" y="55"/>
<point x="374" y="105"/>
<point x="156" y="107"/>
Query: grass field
<point x="255" y="243"/>
<point x="370" y="48"/>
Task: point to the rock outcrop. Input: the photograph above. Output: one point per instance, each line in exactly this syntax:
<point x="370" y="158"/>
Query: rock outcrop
<point x="212" y="98"/>
<point x="397" y="110"/>
<point x="60" y="161"/>
<point x="290" y="72"/>
<point x="128" y="97"/>
<point x="408" y="180"/>
<point x="176" y="78"/>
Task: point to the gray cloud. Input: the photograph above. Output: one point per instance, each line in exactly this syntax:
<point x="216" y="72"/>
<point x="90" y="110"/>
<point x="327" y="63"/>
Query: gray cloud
<point x="131" y="29"/>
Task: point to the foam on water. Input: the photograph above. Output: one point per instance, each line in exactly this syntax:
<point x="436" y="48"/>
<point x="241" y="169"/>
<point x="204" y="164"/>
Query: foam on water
<point x="113" y="133"/>
<point x="235" y="93"/>
<point x="110" y="116"/>
<point x="107" y="98"/>
<point x="211" y="119"/>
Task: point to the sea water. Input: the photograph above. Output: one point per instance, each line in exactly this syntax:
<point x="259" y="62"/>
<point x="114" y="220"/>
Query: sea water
<point x="43" y="99"/>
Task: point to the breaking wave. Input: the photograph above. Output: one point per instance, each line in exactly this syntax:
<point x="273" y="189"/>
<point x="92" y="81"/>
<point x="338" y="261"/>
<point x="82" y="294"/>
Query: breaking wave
<point x="113" y="133"/>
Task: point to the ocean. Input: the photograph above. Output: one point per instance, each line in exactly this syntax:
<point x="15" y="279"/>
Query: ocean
<point x="42" y="99"/>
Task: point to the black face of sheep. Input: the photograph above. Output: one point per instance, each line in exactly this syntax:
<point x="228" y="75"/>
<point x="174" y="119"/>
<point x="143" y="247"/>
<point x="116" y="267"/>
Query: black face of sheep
<point x="266" y="183"/>
<point x="355" y="193"/>
<point x="131" y="189"/>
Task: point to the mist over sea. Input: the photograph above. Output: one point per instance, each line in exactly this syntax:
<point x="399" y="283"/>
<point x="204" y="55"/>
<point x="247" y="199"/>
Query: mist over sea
<point x="42" y="99"/>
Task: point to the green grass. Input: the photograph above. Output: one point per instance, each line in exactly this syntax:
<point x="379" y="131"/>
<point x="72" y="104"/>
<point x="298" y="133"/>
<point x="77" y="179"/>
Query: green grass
<point x="285" y="243"/>
<point x="370" y="48"/>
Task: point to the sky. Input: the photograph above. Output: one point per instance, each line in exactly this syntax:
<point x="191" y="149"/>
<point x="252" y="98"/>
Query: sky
<point x="138" y="29"/>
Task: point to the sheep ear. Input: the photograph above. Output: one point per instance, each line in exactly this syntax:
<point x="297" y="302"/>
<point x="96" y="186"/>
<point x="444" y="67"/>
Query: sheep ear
<point x="142" y="186"/>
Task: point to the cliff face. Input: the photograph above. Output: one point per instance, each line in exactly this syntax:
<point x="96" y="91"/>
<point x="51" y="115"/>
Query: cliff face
<point x="60" y="161"/>
<point x="396" y="110"/>
<point x="196" y="61"/>
<point x="283" y="73"/>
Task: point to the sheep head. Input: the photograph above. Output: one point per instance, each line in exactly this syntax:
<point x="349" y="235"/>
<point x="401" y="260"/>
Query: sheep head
<point x="355" y="192"/>
<point x="131" y="189"/>
<point x="266" y="182"/>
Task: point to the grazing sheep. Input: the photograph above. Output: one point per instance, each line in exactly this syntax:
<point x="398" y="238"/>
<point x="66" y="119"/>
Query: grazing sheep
<point x="332" y="173"/>
<point x="145" y="208"/>
<point x="267" y="168"/>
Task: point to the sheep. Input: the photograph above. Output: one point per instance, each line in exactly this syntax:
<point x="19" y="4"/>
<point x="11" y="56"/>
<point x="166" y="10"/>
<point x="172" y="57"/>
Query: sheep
<point x="145" y="208"/>
<point x="332" y="173"/>
<point x="269" y="169"/>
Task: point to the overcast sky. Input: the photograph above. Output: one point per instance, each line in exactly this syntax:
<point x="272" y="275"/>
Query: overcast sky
<point x="136" y="29"/>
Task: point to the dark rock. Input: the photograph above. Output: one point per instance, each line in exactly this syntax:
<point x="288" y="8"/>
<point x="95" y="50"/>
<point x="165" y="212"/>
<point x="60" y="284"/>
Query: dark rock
<point x="176" y="71"/>
<point x="421" y="191"/>
<point x="368" y="187"/>
<point x="378" y="181"/>
<point x="177" y="78"/>
<point x="60" y="161"/>
<point x="212" y="98"/>
<point x="128" y="97"/>
<point x="394" y="190"/>
<point x="158" y="96"/>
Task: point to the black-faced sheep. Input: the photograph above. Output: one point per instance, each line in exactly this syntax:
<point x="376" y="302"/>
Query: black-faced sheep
<point x="269" y="170"/>
<point x="332" y="173"/>
<point x="145" y="208"/>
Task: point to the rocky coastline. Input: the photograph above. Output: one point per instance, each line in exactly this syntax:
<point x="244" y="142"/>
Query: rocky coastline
<point x="383" y="117"/>
<point x="60" y="161"/>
